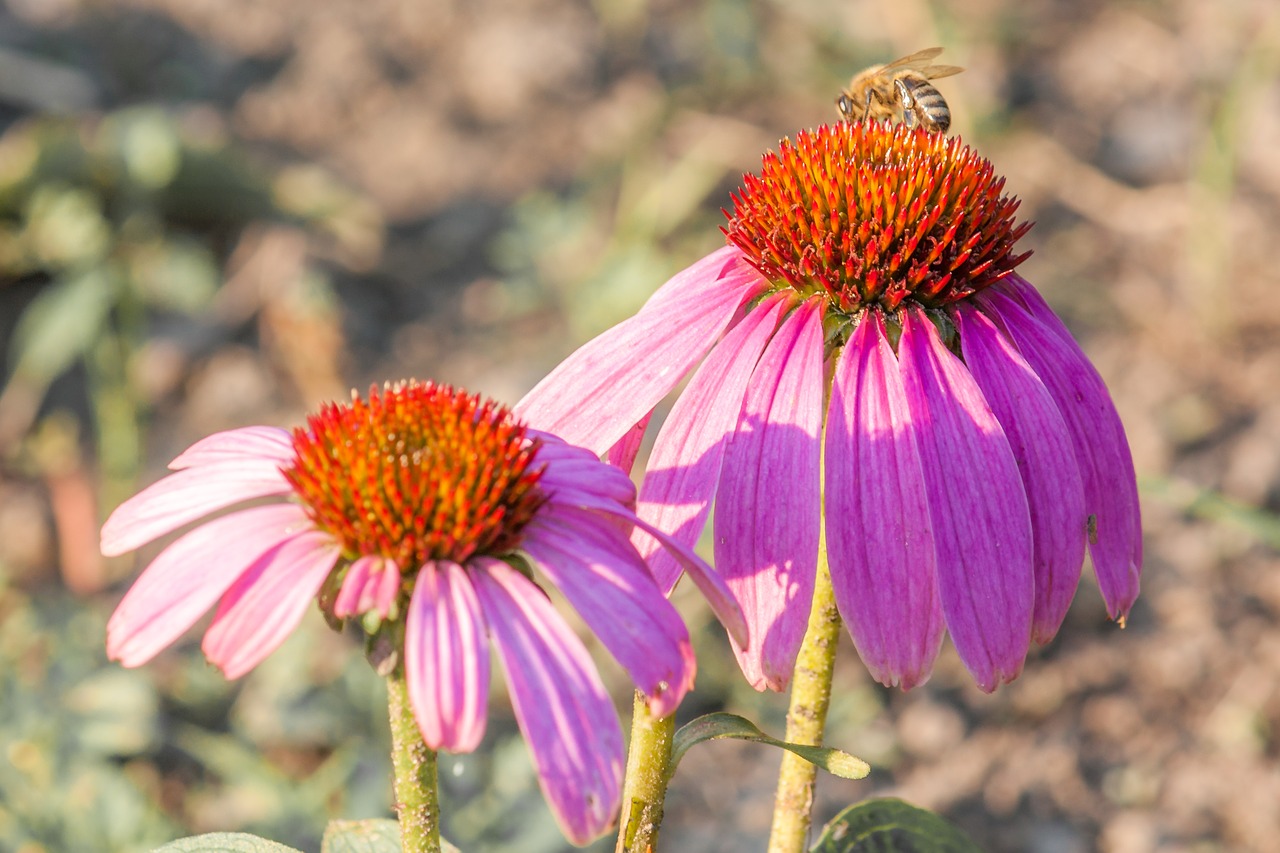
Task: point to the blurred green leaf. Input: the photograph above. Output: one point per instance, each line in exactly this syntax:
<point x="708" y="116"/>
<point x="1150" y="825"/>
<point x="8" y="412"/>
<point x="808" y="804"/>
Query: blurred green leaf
<point x="722" y="725"/>
<point x="62" y="324"/>
<point x="150" y="147"/>
<point x="891" y="826"/>
<point x="363" y="836"/>
<point x="65" y="226"/>
<point x="176" y="274"/>
<point x="224" y="842"/>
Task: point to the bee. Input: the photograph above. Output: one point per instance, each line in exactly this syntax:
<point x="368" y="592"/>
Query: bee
<point x="900" y="91"/>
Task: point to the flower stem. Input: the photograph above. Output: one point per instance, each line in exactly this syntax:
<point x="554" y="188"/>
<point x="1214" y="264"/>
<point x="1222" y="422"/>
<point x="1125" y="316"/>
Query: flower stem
<point x="417" y="794"/>
<point x="645" y="785"/>
<point x="807" y="715"/>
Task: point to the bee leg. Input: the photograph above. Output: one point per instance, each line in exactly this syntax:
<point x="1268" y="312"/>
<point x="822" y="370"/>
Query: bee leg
<point x="910" y="107"/>
<point x="866" y="111"/>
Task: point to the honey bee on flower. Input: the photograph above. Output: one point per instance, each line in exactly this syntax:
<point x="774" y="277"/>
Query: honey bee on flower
<point x="900" y="92"/>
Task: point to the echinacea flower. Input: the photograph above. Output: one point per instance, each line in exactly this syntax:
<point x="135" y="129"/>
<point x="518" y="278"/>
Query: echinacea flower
<point x="429" y="512"/>
<point x="869" y="360"/>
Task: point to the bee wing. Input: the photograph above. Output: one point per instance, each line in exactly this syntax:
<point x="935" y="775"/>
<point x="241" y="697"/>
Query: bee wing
<point x="933" y="72"/>
<point x="914" y="60"/>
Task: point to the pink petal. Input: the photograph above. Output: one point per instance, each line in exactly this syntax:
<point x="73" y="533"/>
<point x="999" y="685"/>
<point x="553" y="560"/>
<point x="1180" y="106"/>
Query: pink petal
<point x="599" y="392"/>
<point x="684" y="467"/>
<point x="981" y="523"/>
<point x="370" y="585"/>
<point x="623" y="454"/>
<point x="879" y="536"/>
<point x="187" y="495"/>
<point x="1101" y="449"/>
<point x="446" y="657"/>
<point x="767" y="511"/>
<point x="191" y="574"/>
<point x="559" y="701"/>
<point x="266" y="602"/>
<point x="255" y="442"/>
<point x="1042" y="448"/>
<point x="596" y="568"/>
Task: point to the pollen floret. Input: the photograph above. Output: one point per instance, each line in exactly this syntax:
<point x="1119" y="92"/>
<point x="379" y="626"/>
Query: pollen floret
<point x="872" y="214"/>
<point x="419" y="472"/>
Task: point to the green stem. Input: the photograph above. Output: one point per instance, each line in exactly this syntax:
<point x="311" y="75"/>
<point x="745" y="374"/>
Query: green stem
<point x="648" y="772"/>
<point x="417" y="794"/>
<point x="807" y="715"/>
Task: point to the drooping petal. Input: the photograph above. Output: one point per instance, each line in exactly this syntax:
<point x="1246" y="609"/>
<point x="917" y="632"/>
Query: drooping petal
<point x="623" y="454"/>
<point x="1102" y="451"/>
<point x="684" y="467"/>
<point x="255" y="442"/>
<point x="596" y="568"/>
<point x="879" y="535"/>
<point x="186" y="495"/>
<point x="266" y="603"/>
<point x="559" y="701"/>
<point x="610" y="383"/>
<point x="981" y="523"/>
<point x="713" y="587"/>
<point x="767" y="510"/>
<point x="446" y="657"/>
<point x="569" y="473"/>
<point x="1042" y="448"/>
<point x="369" y="586"/>
<point x="190" y="575"/>
<point x="709" y="583"/>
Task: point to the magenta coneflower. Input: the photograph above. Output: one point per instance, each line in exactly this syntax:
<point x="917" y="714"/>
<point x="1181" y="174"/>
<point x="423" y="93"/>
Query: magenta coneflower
<point x="971" y="451"/>
<point x="428" y="512"/>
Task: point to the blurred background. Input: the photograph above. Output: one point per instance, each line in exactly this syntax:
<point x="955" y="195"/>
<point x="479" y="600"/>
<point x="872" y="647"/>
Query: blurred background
<point x="216" y="213"/>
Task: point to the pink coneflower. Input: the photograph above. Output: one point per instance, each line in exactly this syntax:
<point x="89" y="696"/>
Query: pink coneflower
<point x="970" y="451"/>
<point x="427" y="512"/>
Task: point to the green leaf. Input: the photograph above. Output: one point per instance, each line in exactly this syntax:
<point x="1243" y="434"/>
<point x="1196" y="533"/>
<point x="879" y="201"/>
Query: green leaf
<point x="721" y="725"/>
<point x="891" y="826"/>
<point x="361" y="836"/>
<point x="60" y="325"/>
<point x="224" y="842"/>
<point x="376" y="835"/>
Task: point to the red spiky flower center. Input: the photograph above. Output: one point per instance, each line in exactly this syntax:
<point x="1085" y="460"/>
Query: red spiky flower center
<point x="870" y="213"/>
<point x="417" y="472"/>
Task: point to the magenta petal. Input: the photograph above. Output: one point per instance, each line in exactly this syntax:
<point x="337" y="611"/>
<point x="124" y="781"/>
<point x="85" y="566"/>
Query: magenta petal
<point x="561" y="705"/>
<point x="599" y="392"/>
<point x="767" y="511"/>
<point x="684" y="467"/>
<point x="1101" y="449"/>
<point x="709" y="583"/>
<point x="1042" y="448"/>
<point x="879" y="537"/>
<point x="266" y="603"/>
<point x="596" y="568"/>
<point x="446" y="657"/>
<point x="186" y="495"/>
<point x="977" y="505"/>
<point x="190" y="575"/>
<point x="714" y="589"/>
<point x="570" y="480"/>
<point x="255" y="442"/>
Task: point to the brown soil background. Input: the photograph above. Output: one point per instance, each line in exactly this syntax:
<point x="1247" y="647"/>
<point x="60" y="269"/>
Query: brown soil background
<point x="541" y="165"/>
